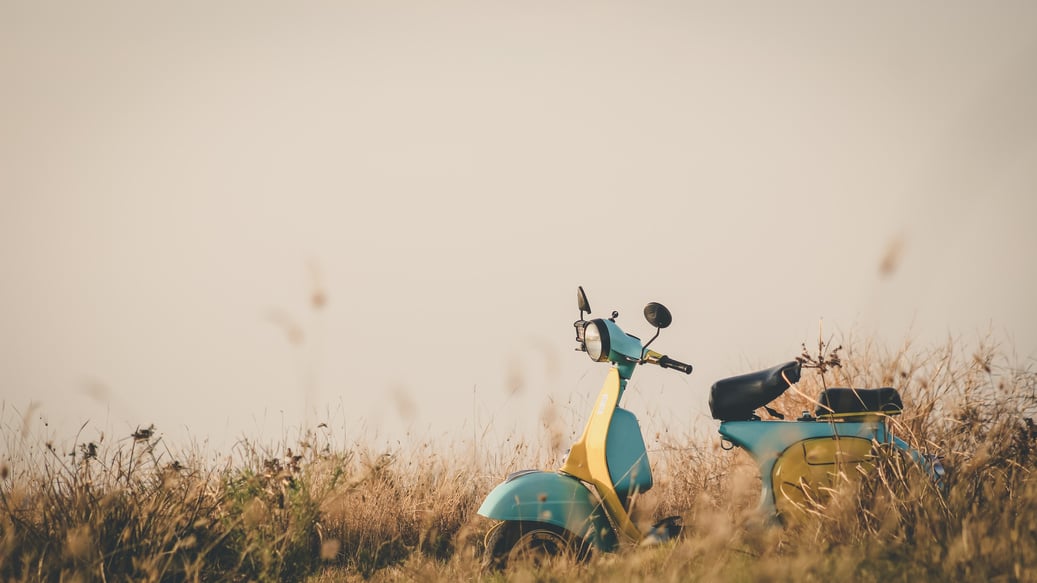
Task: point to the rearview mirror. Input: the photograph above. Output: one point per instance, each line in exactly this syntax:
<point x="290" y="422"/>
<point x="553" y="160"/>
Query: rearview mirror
<point x="657" y="315"/>
<point x="581" y="301"/>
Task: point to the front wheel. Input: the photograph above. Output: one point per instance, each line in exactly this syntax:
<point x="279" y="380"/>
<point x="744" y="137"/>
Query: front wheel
<point x="530" y="543"/>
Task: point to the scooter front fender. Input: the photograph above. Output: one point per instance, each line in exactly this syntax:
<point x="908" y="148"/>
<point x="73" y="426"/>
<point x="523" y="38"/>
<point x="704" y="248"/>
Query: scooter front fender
<point x="535" y="496"/>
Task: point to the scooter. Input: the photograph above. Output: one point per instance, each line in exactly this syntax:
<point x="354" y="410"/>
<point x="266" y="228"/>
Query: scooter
<point x="585" y="505"/>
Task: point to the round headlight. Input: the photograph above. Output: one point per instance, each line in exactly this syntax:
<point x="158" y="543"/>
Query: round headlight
<point x="596" y="339"/>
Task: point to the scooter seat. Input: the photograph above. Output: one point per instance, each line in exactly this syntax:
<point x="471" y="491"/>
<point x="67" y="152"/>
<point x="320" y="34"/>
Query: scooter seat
<point x="735" y="398"/>
<point x="842" y="402"/>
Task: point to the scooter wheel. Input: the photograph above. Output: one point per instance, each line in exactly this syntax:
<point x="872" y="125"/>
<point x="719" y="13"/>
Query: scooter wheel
<point x="532" y="543"/>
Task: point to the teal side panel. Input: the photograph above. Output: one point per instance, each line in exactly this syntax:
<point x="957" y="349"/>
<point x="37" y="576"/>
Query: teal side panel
<point x="626" y="455"/>
<point x="555" y="499"/>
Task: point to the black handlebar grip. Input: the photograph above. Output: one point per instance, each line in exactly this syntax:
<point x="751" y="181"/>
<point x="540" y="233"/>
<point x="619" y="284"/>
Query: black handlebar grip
<point x="667" y="362"/>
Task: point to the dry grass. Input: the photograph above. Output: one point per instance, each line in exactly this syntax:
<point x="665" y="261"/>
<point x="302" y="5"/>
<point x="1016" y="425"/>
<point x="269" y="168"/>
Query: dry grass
<point x="320" y="511"/>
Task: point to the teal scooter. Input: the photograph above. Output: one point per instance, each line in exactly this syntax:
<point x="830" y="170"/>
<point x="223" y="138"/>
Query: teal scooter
<point x="584" y="505"/>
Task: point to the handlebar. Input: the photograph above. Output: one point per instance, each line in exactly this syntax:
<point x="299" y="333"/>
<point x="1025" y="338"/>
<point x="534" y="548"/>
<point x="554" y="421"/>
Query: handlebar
<point x="653" y="357"/>
<point x="667" y="362"/>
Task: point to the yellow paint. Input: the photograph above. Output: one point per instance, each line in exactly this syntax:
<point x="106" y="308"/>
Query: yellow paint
<point x="809" y="470"/>
<point x="587" y="459"/>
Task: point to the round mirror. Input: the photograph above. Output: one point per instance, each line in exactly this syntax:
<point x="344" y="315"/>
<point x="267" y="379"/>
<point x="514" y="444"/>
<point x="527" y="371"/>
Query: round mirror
<point x="657" y="315"/>
<point x="581" y="300"/>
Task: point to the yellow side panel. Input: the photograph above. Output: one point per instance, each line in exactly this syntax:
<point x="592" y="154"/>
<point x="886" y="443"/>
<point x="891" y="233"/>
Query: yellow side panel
<point x="806" y="473"/>
<point x="587" y="459"/>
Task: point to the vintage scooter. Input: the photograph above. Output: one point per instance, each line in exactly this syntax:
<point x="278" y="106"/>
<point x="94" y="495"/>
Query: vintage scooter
<point x="585" y="505"/>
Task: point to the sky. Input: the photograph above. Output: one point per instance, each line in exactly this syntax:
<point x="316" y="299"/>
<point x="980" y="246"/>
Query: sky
<point x="237" y="219"/>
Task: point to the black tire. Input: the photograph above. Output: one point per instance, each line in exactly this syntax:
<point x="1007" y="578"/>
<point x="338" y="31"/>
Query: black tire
<point x="532" y="543"/>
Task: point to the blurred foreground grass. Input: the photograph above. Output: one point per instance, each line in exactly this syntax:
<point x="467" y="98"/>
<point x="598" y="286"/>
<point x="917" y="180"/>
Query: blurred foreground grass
<point x="317" y="511"/>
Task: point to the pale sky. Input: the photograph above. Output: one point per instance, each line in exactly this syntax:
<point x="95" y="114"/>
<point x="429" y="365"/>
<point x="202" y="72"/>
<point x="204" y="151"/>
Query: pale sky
<point x="177" y="179"/>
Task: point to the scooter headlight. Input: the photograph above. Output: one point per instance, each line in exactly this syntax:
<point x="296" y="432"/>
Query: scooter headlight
<point x="596" y="339"/>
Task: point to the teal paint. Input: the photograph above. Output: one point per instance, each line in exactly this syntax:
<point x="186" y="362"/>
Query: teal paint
<point x="626" y="454"/>
<point x="555" y="499"/>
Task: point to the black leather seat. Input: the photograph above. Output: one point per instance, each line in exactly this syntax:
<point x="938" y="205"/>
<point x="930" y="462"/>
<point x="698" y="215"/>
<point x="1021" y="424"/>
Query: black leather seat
<point x="735" y="398"/>
<point x="840" y="401"/>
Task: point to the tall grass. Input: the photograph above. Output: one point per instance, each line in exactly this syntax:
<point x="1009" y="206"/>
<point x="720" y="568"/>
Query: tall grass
<point x="320" y="511"/>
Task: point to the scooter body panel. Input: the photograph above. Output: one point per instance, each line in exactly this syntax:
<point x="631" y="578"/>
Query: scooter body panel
<point x="791" y="453"/>
<point x="627" y="456"/>
<point x="806" y="472"/>
<point x="589" y="458"/>
<point x="552" y="498"/>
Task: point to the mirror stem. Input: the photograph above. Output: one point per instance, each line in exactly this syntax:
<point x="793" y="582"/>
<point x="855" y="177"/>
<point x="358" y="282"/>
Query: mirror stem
<point x="649" y="343"/>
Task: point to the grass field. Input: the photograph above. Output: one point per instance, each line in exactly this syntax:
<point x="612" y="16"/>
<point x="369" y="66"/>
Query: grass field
<point x="318" y="511"/>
